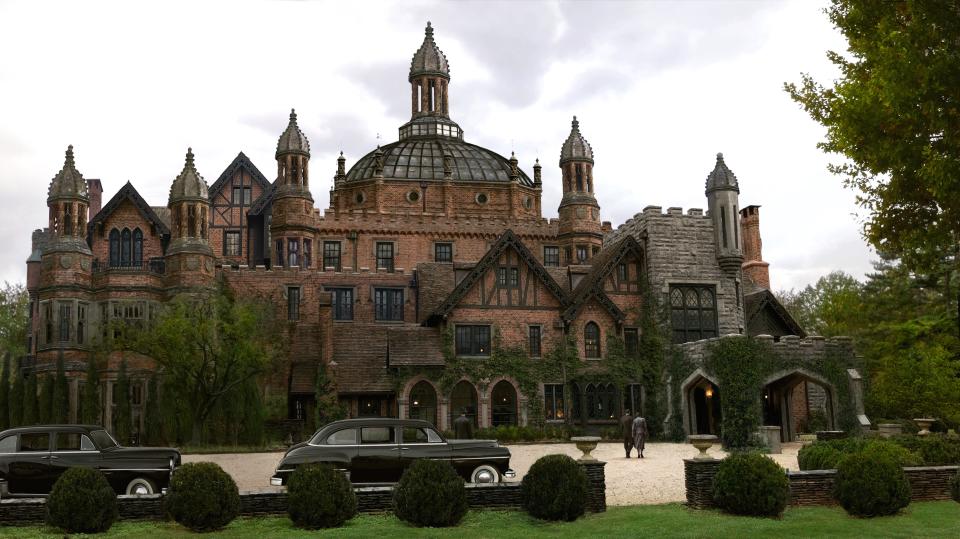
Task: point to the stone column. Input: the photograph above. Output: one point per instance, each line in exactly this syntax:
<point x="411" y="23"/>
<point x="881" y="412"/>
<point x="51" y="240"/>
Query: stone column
<point x="424" y="97"/>
<point x="698" y="479"/>
<point x="403" y="408"/>
<point x="442" y="422"/>
<point x="597" y="490"/>
<point x="483" y="414"/>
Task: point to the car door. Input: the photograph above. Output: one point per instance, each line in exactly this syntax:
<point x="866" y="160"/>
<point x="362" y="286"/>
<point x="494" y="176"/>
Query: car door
<point x="72" y="449"/>
<point x="378" y="457"/>
<point x="30" y="466"/>
<point x="421" y="443"/>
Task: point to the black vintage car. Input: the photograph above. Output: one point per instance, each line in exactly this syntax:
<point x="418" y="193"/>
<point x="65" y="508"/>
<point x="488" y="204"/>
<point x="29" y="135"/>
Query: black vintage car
<point x="32" y="458"/>
<point x="377" y="450"/>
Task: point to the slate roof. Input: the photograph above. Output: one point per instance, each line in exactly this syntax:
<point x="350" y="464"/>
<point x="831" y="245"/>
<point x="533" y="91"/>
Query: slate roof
<point x="414" y="346"/>
<point x="764" y="314"/>
<point x="360" y="353"/>
<point x="435" y="281"/>
<point x="189" y="184"/>
<point x="244" y="162"/>
<point x="303" y="378"/>
<point x="292" y="140"/>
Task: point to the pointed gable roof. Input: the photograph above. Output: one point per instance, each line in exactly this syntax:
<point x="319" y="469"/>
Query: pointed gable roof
<point x="591" y="285"/>
<point x="129" y="192"/>
<point x="506" y="240"/>
<point x="244" y="162"/>
<point x="765" y="315"/>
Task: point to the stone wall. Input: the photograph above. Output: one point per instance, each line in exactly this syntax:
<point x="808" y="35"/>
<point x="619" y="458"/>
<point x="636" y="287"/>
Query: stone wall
<point x="815" y="487"/>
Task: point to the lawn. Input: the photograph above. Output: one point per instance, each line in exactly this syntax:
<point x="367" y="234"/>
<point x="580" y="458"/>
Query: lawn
<point x="928" y="519"/>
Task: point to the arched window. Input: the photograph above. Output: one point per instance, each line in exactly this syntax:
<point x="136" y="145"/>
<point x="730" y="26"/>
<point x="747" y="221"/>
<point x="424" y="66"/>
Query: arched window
<point x="137" y="247"/>
<point x="67" y="219"/>
<point x="125" y="247"/>
<point x="579" y="170"/>
<point x="114" y="248"/>
<point x="591" y="340"/>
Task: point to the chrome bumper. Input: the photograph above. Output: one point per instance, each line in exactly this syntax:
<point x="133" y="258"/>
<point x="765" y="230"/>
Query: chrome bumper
<point x="510" y="474"/>
<point x="276" y="481"/>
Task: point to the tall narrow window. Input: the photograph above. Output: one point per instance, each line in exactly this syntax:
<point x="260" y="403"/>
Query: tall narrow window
<point x="631" y="341"/>
<point x="66" y="319"/>
<point x="137" y="248"/>
<point x="582" y="254"/>
<point x="385" y="255"/>
<point x="125" y="247"/>
<point x="237" y="194"/>
<point x="473" y="340"/>
<point x="443" y="252"/>
<point x="534" y="338"/>
<point x="622" y="272"/>
<point x="114" y="248"/>
<point x="279" y="259"/>
<point x="48" y="323"/>
<point x="67" y="220"/>
<point x="579" y="170"/>
<point x="307" y="253"/>
<point x="342" y="303"/>
<point x="723" y="224"/>
<point x="551" y="256"/>
<point x="81" y="322"/>
<point x="293" y="253"/>
<point x="553" y="409"/>
<point x="388" y="304"/>
<point x="569" y="253"/>
<point x="591" y="340"/>
<point x="293" y="303"/>
<point x="736" y="229"/>
<point x="247" y="196"/>
<point x="331" y="255"/>
<point x="231" y="243"/>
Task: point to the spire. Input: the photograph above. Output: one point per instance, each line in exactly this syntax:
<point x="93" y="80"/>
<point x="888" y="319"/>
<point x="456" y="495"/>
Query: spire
<point x="293" y="140"/>
<point x="537" y="178"/>
<point x="189" y="184"/>
<point x="68" y="183"/>
<point x="341" y="170"/>
<point x="429" y="59"/>
<point x="576" y="147"/>
<point x="514" y="169"/>
<point x="721" y="177"/>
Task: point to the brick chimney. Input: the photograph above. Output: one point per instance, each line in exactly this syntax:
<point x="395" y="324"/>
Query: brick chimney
<point x="754" y="268"/>
<point x="95" y="190"/>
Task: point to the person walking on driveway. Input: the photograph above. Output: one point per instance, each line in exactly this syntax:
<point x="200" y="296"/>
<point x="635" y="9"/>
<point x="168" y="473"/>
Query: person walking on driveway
<point x="463" y="427"/>
<point x="626" y="426"/>
<point x="640" y="434"/>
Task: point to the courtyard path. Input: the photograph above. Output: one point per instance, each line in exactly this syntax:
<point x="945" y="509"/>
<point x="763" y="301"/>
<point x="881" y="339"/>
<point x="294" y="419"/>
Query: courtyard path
<point x="658" y="478"/>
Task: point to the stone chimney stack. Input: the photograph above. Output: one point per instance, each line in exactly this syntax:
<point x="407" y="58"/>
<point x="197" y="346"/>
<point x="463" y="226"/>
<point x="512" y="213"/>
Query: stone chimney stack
<point x="754" y="268"/>
<point x="95" y="189"/>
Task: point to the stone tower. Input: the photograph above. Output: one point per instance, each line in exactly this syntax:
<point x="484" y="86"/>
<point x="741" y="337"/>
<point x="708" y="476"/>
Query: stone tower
<point x="291" y="227"/>
<point x="189" y="258"/>
<point x="67" y="259"/>
<point x="580" y="234"/>
<point x="429" y="79"/>
<point x="723" y="194"/>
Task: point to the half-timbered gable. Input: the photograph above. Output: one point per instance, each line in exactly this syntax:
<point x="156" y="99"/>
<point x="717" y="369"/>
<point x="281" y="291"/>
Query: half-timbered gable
<point x="232" y="237"/>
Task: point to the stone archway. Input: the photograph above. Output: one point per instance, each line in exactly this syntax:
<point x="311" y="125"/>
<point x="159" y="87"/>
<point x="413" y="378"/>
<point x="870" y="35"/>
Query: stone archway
<point x="464" y="398"/>
<point x="798" y="401"/>
<point x="503" y="404"/>
<point x="701" y="403"/>
<point x="422" y="402"/>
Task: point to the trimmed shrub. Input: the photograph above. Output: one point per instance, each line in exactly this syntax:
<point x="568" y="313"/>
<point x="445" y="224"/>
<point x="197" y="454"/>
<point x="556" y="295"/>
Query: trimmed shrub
<point x="751" y="484"/>
<point x="870" y="484"/>
<point x="884" y="449"/>
<point x="555" y="488"/>
<point x="818" y="456"/>
<point x="934" y="450"/>
<point x="82" y="501"/>
<point x="202" y="497"/>
<point x="826" y="455"/>
<point x="430" y="493"/>
<point x="320" y="497"/>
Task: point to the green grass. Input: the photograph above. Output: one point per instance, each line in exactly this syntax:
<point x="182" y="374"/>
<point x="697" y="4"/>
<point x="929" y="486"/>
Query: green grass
<point x="928" y="519"/>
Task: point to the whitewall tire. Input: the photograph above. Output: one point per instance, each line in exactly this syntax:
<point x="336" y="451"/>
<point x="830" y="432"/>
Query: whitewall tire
<point x="485" y="474"/>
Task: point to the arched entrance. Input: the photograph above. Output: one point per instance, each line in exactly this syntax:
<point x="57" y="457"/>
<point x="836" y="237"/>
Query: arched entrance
<point x="423" y="402"/>
<point x="464" y="399"/>
<point x="702" y="399"/>
<point x="503" y="402"/>
<point x="601" y="401"/>
<point x="798" y="402"/>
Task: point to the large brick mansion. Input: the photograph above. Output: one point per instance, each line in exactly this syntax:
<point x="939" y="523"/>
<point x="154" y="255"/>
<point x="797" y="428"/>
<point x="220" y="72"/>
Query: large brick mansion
<point x="422" y="238"/>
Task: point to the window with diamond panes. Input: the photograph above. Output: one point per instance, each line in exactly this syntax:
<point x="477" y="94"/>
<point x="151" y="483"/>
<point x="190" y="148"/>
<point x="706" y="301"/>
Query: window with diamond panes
<point x="693" y="312"/>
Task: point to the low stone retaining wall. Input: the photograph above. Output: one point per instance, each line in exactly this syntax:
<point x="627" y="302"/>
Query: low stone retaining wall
<point x="815" y="487"/>
<point x="27" y="511"/>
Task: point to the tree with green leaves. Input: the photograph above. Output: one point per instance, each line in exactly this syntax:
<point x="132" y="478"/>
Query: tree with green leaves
<point x="30" y="402"/>
<point x="208" y="346"/>
<point x="151" y="417"/>
<point x="16" y="399"/>
<point x="893" y="117"/>
<point x="14" y="319"/>
<point x="5" y="392"/>
<point x="60" y="394"/>
<point x="45" y="400"/>
<point x="91" y="394"/>
<point x="254" y="414"/>
<point x="830" y="308"/>
<point x="121" y="395"/>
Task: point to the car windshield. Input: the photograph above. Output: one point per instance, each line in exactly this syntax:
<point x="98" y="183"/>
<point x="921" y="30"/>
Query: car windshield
<point x="103" y="439"/>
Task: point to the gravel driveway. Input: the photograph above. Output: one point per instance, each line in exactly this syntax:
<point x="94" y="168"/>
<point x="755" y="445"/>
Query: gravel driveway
<point x="658" y="478"/>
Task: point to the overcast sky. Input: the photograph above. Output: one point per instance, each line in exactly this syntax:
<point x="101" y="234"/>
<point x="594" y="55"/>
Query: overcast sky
<point x="659" y="88"/>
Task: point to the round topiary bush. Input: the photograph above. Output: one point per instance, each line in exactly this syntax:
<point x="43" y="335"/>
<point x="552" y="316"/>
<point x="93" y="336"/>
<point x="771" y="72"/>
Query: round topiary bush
<point x="555" y="488"/>
<point x="82" y="501"/>
<point x="202" y="497"/>
<point x="818" y="456"/>
<point x="751" y="484"/>
<point x="320" y="497"/>
<point x="430" y="493"/>
<point x="871" y="484"/>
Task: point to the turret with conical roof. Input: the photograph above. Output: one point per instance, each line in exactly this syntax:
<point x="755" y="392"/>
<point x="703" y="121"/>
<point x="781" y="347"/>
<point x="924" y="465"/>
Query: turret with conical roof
<point x="291" y="224"/>
<point x="429" y="78"/>
<point x="580" y="232"/>
<point x="189" y="257"/>
<point x="68" y="201"/>
<point x="723" y="195"/>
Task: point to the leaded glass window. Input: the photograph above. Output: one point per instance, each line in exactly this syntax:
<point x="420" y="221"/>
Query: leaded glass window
<point x="693" y="312"/>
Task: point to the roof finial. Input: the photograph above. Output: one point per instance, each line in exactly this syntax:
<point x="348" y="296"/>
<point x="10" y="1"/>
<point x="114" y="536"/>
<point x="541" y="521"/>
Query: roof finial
<point x="293" y="116"/>
<point x="69" y="159"/>
<point x="575" y="124"/>
<point x="429" y="30"/>
<point x="719" y="156"/>
<point x="190" y="157"/>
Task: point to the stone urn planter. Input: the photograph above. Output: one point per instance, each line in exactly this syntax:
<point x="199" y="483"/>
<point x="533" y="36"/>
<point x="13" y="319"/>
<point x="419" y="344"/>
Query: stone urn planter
<point x="586" y="444"/>
<point x="924" y="424"/>
<point x="702" y="442"/>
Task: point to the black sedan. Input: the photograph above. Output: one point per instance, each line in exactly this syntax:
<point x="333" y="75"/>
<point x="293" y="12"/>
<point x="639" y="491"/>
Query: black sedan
<point x="32" y="458"/>
<point x="378" y="450"/>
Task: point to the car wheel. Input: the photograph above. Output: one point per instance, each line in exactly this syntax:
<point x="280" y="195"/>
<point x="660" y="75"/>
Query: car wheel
<point x="485" y="474"/>
<point x="140" y="486"/>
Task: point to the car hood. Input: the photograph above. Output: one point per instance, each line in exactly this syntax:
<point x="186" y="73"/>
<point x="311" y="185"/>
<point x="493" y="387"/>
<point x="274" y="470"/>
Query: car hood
<point x="471" y="444"/>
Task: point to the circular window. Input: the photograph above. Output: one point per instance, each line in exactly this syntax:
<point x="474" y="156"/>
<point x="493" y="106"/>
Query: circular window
<point x="527" y="202"/>
<point x="413" y="196"/>
<point x="359" y="198"/>
<point x="482" y="198"/>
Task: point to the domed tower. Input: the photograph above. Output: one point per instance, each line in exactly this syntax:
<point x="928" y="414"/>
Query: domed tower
<point x="67" y="257"/>
<point x="723" y="195"/>
<point x="189" y="258"/>
<point x="292" y="226"/>
<point x="580" y="234"/>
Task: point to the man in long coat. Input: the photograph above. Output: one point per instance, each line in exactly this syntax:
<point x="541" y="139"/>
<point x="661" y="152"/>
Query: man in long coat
<point x="640" y="434"/>
<point x="626" y="426"/>
<point x="463" y="427"/>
